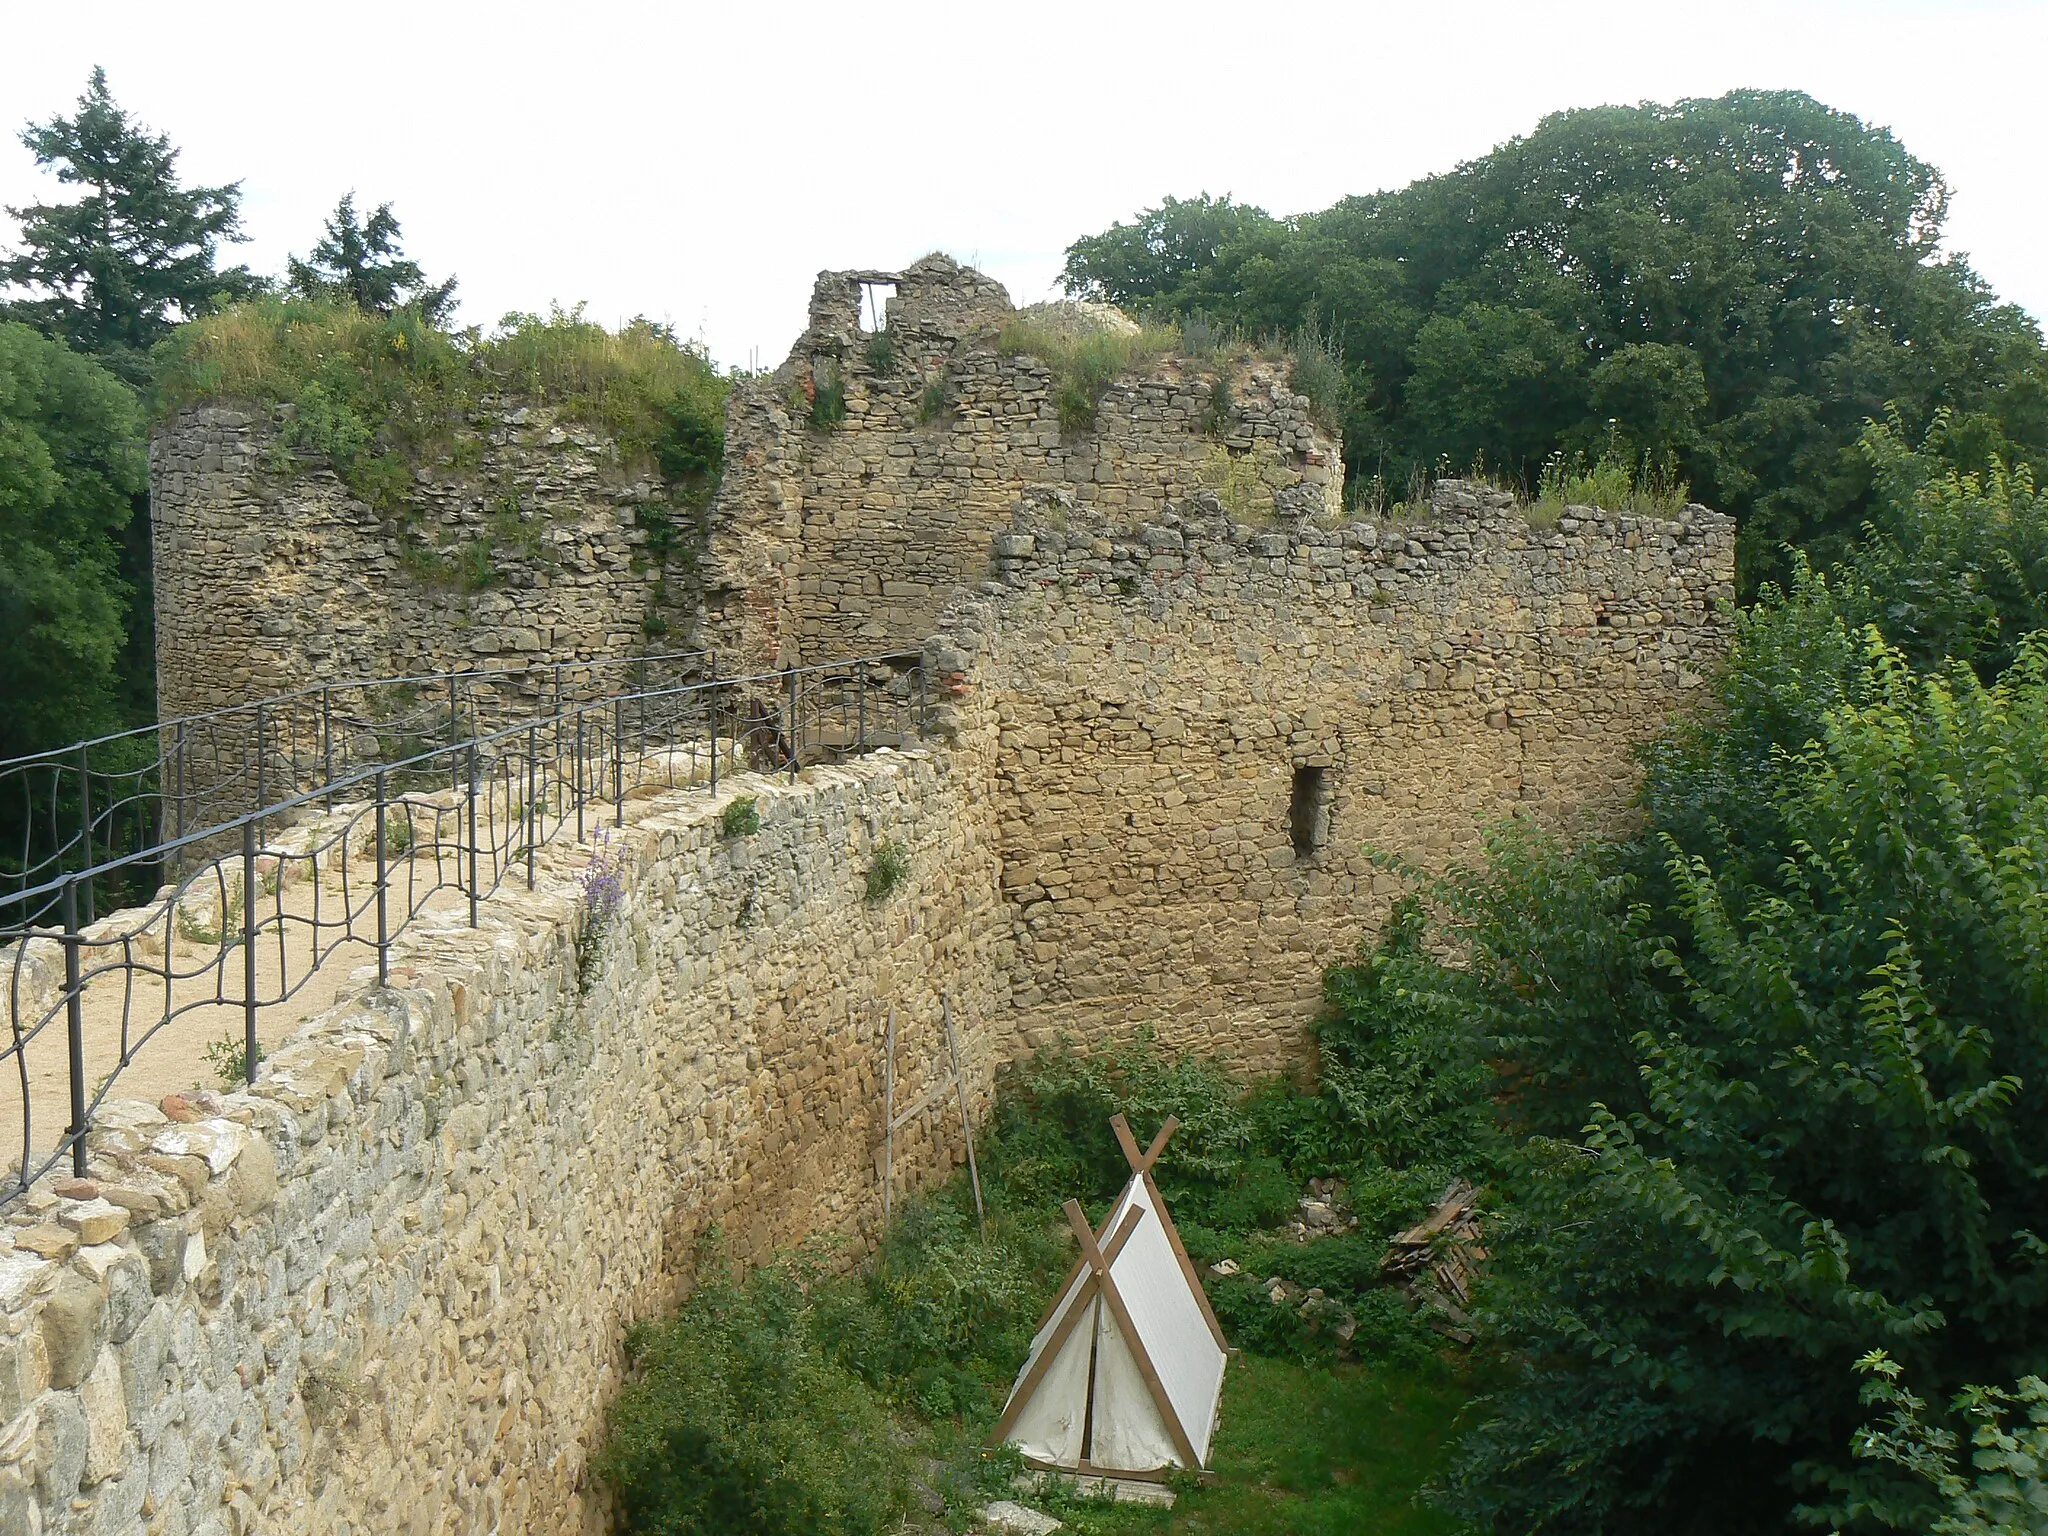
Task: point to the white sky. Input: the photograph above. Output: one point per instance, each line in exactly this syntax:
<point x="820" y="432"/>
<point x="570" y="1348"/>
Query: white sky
<point x="700" y="163"/>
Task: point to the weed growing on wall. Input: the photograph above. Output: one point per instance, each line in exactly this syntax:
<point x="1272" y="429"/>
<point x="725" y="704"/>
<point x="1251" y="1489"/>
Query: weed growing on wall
<point x="934" y="402"/>
<point x="742" y="818"/>
<point x="1612" y="482"/>
<point x="229" y="1058"/>
<point x="889" y="869"/>
<point x="375" y="395"/>
<point x="882" y="353"/>
<point x="825" y="398"/>
<point x="1317" y="371"/>
<point x="1084" y="364"/>
<point x="600" y="893"/>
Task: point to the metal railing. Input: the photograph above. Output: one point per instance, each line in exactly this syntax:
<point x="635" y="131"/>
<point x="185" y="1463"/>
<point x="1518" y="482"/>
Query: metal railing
<point x="85" y="805"/>
<point x="326" y="863"/>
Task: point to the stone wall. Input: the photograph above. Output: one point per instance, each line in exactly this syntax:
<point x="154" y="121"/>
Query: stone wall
<point x="386" y="1290"/>
<point x="522" y="542"/>
<point x="1207" y="728"/>
<point x="853" y="539"/>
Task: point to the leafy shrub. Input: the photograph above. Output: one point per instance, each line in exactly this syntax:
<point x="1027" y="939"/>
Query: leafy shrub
<point x="888" y="870"/>
<point x="1217" y="416"/>
<point x="741" y="818"/>
<point x="737" y="1417"/>
<point x="1318" y="373"/>
<point x="932" y="404"/>
<point x="882" y="353"/>
<point x="1650" y="486"/>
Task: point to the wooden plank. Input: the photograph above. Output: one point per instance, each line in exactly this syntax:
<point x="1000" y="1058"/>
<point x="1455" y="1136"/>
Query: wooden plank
<point x="1158" y="1147"/>
<point x="888" y="1118"/>
<point x="966" y="1120"/>
<point x="1141" y="1162"/>
<point x="1053" y="1345"/>
<point x="1113" y="1299"/>
<point x="936" y="1094"/>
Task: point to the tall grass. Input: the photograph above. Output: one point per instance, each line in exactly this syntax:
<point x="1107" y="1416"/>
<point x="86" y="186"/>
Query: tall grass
<point x="1084" y="364"/>
<point x="1646" y="485"/>
<point x="375" y="394"/>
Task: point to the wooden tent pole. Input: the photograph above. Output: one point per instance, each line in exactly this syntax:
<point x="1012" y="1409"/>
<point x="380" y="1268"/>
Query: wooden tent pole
<point x="1029" y="1385"/>
<point x="1106" y="1282"/>
<point x="1141" y="1165"/>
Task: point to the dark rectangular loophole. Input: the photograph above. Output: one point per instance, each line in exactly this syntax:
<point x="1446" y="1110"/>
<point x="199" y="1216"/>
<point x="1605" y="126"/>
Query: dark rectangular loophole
<point x="1308" y="809"/>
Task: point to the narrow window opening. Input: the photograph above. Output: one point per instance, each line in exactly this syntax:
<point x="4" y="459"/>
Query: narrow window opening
<point x="874" y="306"/>
<point x="1308" y="810"/>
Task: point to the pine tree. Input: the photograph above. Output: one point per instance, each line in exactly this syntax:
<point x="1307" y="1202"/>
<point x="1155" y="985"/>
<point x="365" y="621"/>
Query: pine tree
<point x="360" y="260"/>
<point x="115" y="270"/>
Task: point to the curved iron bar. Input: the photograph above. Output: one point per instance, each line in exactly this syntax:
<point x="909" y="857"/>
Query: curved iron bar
<point x="461" y="816"/>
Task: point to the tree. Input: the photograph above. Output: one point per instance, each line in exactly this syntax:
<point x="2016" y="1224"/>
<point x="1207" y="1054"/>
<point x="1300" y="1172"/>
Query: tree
<point x="115" y="270"/>
<point x="1737" y="283"/>
<point x="360" y="261"/>
<point x="71" y="466"/>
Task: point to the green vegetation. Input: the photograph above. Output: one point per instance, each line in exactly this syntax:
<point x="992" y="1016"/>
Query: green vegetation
<point x="1652" y="271"/>
<point x="358" y="262"/>
<point x="933" y="404"/>
<point x="826" y="400"/>
<point x="1084" y="363"/>
<point x="1759" y="1088"/>
<point x="882" y="353"/>
<point x="71" y="468"/>
<point x="115" y="270"/>
<point x="803" y="1400"/>
<point x="376" y="393"/>
<point x="741" y="818"/>
<point x="1567" y="480"/>
<point x="888" y="870"/>
<point x="229" y="1057"/>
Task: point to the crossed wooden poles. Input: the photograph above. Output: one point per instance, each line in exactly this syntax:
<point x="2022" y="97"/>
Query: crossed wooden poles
<point x="1098" y="1254"/>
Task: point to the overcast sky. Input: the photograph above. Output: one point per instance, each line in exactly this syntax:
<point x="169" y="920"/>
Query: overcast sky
<point x="701" y="163"/>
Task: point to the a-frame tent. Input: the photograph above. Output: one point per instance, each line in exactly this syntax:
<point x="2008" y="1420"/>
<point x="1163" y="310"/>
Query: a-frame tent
<point x="1126" y="1372"/>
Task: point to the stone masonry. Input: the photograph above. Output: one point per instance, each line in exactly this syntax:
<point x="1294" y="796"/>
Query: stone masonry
<point x="386" y="1290"/>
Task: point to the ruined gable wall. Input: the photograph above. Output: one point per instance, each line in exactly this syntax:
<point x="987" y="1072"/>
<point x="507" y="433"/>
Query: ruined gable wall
<point x="849" y="540"/>
<point x="272" y="575"/>
<point x="1159" y="686"/>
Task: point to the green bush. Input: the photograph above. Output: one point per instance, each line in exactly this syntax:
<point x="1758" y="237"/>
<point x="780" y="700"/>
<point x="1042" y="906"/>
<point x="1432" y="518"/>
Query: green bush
<point x="828" y="400"/>
<point x="741" y="818"/>
<point x="932" y="404"/>
<point x="888" y="870"/>
<point x="882" y="353"/>
<point x="738" y="1418"/>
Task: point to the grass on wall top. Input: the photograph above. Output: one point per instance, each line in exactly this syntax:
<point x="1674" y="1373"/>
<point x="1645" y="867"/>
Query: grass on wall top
<point x="376" y="394"/>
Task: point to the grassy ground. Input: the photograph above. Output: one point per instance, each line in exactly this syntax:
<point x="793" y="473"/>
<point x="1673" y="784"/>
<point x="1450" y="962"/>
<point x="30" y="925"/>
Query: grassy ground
<point x="1318" y="1451"/>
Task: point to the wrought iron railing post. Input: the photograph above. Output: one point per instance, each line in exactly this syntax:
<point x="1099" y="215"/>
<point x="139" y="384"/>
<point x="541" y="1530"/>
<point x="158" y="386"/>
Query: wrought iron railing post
<point x="532" y="791"/>
<point x="74" y="1026"/>
<point x="711" y="709"/>
<point x="327" y="740"/>
<point x="262" y="783"/>
<point x="576" y="776"/>
<point x="795" y="750"/>
<point x="860" y="694"/>
<point x="454" y="730"/>
<point x="923" y="711"/>
<point x="85" y="824"/>
<point x="619" y="760"/>
<point x="383" y="925"/>
<point x="474" y="889"/>
<point x="178" y="799"/>
<point x="249" y="950"/>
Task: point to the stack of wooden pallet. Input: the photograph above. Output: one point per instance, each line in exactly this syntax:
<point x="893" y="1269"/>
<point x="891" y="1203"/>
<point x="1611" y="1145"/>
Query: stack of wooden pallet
<point x="1435" y="1260"/>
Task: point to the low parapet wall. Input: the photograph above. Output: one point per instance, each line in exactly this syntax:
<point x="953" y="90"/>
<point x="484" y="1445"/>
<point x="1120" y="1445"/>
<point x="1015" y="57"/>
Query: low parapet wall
<point x="386" y="1290"/>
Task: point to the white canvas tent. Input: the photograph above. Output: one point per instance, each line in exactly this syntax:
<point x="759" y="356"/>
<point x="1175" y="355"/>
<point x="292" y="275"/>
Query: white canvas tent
<point x="1126" y="1371"/>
